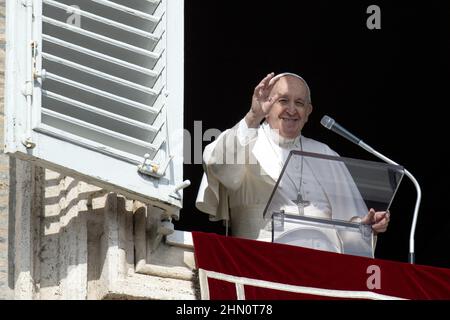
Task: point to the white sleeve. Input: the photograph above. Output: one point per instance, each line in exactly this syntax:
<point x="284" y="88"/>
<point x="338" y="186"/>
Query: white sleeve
<point x="220" y="176"/>
<point x="225" y="158"/>
<point x="245" y="134"/>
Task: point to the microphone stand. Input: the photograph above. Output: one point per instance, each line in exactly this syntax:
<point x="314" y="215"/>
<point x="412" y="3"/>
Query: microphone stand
<point x="368" y="148"/>
<point x="330" y="124"/>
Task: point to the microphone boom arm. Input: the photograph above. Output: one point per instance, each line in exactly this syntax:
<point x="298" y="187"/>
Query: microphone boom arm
<point x="330" y="124"/>
<point x="368" y="148"/>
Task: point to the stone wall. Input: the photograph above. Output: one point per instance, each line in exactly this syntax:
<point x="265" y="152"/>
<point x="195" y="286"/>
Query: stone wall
<point x="5" y="291"/>
<point x="73" y="240"/>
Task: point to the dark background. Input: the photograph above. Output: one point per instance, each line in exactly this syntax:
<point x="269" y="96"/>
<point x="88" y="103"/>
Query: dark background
<point x="388" y="86"/>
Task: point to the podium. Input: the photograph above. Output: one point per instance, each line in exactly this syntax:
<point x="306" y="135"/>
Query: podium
<point x="319" y="200"/>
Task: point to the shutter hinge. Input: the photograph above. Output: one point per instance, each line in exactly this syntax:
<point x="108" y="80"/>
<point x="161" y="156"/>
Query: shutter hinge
<point x="27" y="3"/>
<point x="28" y="87"/>
<point x="154" y="169"/>
<point x="36" y="73"/>
<point x="28" y="143"/>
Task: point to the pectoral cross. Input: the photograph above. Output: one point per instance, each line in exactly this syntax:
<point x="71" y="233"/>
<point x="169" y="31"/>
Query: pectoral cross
<point x="301" y="203"/>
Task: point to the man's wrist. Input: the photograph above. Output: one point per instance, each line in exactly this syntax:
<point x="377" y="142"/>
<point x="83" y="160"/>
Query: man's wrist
<point x="253" y="120"/>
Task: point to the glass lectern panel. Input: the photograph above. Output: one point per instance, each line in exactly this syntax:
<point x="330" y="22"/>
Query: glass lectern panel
<point x="318" y="201"/>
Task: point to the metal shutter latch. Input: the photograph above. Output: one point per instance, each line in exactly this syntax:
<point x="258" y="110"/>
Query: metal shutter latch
<point x="154" y="169"/>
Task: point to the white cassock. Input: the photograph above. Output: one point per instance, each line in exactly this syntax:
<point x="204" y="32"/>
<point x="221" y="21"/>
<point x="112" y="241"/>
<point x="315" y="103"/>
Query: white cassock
<point x="241" y="169"/>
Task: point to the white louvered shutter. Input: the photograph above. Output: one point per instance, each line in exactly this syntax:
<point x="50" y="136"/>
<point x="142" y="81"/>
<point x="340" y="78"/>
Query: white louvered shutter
<point x="93" y="88"/>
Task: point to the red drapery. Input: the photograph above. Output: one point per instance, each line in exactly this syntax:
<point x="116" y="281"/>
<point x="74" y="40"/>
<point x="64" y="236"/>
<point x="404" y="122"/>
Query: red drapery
<point x="231" y="267"/>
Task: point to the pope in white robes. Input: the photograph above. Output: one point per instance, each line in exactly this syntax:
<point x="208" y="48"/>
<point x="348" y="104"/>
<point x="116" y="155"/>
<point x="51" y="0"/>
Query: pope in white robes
<point x="243" y="164"/>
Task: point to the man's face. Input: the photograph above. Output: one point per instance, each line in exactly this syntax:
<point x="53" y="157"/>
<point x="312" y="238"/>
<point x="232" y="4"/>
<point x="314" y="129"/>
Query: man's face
<point x="291" y="109"/>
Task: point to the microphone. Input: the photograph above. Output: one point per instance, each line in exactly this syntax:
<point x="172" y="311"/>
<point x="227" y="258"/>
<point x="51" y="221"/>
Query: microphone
<point x="332" y="125"/>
